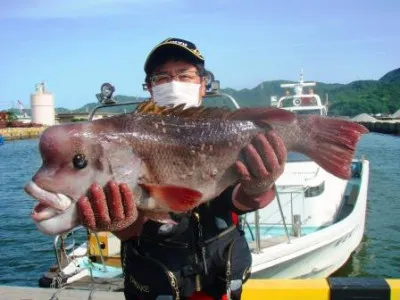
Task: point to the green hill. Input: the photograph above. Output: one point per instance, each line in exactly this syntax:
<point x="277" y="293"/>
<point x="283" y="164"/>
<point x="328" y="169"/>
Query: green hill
<point x="362" y="96"/>
<point x="391" y="77"/>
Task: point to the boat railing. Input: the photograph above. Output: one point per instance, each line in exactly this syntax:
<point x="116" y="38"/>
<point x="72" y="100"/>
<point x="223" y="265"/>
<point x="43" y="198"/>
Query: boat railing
<point x="295" y="220"/>
<point x="218" y="93"/>
<point x="65" y="253"/>
<point x="61" y="248"/>
<point x="93" y="112"/>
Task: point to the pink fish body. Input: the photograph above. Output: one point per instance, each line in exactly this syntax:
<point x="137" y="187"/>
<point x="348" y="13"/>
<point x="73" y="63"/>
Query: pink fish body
<point x="173" y="161"/>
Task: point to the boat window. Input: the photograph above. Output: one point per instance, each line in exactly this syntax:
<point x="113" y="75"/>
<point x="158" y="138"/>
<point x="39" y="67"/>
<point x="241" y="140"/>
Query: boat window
<point x="308" y="112"/>
<point x="296" y="157"/>
<point x="315" y="190"/>
<point x="356" y="169"/>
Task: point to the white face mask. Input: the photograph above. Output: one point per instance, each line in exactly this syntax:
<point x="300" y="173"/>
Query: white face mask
<point x="176" y="92"/>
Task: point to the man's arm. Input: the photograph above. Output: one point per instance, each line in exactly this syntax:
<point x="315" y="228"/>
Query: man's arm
<point x="263" y="162"/>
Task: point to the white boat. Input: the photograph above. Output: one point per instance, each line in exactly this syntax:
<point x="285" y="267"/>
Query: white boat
<point x="309" y="230"/>
<point x="324" y="219"/>
<point x="317" y="220"/>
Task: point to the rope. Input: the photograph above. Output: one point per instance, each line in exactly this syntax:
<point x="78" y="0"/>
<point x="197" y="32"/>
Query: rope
<point x="57" y="281"/>
<point x="56" y="294"/>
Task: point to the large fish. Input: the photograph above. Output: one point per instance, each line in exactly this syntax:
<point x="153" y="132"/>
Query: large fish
<point x="173" y="159"/>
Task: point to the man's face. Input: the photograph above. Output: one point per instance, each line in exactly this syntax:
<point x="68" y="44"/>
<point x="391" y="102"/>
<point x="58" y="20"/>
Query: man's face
<point x="177" y="67"/>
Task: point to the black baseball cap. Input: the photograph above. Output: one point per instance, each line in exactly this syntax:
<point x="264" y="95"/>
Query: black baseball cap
<point x="172" y="46"/>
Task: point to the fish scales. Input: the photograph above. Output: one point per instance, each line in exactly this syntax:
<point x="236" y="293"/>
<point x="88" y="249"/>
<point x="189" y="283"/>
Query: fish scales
<point x="173" y="160"/>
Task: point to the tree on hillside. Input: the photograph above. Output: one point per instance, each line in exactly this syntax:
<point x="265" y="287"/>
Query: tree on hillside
<point x="11" y="116"/>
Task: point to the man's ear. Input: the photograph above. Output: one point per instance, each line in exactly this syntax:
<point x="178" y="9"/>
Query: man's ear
<point x="203" y="87"/>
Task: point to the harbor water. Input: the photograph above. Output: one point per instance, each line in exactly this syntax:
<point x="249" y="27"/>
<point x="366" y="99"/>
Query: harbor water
<point x="26" y="253"/>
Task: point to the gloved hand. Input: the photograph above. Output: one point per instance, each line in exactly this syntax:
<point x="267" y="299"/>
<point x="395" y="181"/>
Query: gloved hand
<point x="110" y="209"/>
<point x="262" y="163"/>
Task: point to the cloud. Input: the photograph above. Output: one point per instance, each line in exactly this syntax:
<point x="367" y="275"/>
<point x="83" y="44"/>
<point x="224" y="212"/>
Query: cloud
<point x="43" y="9"/>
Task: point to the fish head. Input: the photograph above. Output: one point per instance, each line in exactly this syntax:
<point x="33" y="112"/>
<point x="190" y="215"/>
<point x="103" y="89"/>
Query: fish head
<point x="74" y="156"/>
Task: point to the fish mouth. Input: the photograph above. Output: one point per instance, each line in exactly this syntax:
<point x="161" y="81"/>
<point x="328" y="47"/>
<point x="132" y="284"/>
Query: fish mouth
<point x="50" y="204"/>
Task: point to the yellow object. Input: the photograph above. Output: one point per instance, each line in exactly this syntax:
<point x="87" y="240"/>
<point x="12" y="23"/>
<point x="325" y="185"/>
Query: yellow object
<point x="288" y="289"/>
<point x="394" y="288"/>
<point x="107" y="243"/>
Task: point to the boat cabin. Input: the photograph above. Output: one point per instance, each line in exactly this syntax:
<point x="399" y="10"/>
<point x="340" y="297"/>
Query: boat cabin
<point x="302" y="102"/>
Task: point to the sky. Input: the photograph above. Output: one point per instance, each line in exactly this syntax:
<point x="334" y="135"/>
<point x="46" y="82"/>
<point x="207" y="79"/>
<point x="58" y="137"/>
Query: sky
<point x="76" y="45"/>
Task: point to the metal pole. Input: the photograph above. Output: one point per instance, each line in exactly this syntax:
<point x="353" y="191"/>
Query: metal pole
<point x="281" y="211"/>
<point x="101" y="254"/>
<point x="257" y="228"/>
<point x="56" y="251"/>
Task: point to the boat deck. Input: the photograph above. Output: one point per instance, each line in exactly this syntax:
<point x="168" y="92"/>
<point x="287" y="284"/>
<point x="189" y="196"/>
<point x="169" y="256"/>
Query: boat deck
<point x="269" y="242"/>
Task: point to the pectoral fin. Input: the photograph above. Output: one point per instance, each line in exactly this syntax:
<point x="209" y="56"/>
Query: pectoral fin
<point x="177" y="198"/>
<point x="164" y="218"/>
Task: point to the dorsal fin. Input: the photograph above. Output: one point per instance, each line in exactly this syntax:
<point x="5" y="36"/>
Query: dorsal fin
<point x="260" y="116"/>
<point x="151" y="108"/>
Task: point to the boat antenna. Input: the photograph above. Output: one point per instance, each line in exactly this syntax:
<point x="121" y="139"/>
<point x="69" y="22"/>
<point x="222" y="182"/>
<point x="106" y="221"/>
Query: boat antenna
<point x="301" y="76"/>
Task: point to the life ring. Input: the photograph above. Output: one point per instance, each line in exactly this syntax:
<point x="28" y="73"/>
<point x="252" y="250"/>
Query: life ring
<point x="296" y="101"/>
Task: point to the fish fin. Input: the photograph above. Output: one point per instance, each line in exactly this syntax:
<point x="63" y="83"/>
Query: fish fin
<point x="178" y="199"/>
<point x="333" y="143"/>
<point x="149" y="107"/>
<point x="260" y="116"/>
<point x="152" y="108"/>
<point x="161" y="217"/>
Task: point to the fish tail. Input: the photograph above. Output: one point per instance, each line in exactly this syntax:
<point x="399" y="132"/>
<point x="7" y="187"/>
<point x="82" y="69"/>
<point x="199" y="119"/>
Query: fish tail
<point x="331" y="144"/>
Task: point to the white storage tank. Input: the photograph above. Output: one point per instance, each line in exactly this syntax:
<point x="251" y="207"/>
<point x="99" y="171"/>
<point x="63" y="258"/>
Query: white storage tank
<point x="42" y="106"/>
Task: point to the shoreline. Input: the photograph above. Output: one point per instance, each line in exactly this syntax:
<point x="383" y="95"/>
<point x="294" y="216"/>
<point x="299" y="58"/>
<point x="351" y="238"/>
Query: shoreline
<point x="385" y="127"/>
<point x="21" y="133"/>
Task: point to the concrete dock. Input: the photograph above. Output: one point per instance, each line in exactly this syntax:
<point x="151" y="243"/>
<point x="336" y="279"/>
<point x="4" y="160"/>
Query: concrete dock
<point x="386" y="127"/>
<point x="288" y="289"/>
<point x="21" y="133"/>
<point x="29" y="293"/>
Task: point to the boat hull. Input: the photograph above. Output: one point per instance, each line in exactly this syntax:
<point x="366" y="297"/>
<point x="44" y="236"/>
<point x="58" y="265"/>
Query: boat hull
<point x="321" y="253"/>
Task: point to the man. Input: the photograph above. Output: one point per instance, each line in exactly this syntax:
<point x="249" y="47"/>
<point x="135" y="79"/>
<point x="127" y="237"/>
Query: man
<point x="205" y="254"/>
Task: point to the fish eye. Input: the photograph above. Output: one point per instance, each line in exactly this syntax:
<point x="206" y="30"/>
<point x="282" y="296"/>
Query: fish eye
<point x="79" y="161"/>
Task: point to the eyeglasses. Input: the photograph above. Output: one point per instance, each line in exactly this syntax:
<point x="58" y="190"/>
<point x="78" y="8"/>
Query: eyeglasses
<point x="184" y="76"/>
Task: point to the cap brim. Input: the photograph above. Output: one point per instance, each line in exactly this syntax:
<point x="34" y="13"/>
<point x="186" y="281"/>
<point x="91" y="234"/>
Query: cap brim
<point x="169" y="47"/>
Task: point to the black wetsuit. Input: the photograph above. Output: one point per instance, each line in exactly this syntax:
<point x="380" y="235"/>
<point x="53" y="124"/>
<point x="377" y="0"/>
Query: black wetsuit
<point x="193" y="255"/>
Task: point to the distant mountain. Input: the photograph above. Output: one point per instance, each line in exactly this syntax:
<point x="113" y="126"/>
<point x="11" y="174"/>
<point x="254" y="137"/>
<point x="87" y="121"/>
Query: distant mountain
<point x="260" y="96"/>
<point x="391" y="77"/>
<point x="116" y="109"/>
<point x="62" y="110"/>
<point x="362" y="96"/>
